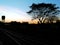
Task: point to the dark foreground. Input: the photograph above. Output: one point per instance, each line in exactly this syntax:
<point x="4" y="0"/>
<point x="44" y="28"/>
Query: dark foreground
<point x="29" y="34"/>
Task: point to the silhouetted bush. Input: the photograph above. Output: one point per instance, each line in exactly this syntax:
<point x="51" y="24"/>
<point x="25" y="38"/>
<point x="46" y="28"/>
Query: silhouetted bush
<point x="30" y="27"/>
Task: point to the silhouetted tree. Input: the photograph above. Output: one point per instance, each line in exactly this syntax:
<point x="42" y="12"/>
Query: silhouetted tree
<point x="43" y="10"/>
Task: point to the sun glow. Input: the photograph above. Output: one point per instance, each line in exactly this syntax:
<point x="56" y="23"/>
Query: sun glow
<point x="14" y="14"/>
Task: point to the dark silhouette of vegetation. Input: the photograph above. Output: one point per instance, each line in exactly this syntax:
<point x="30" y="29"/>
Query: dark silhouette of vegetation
<point x="43" y="10"/>
<point x="29" y="27"/>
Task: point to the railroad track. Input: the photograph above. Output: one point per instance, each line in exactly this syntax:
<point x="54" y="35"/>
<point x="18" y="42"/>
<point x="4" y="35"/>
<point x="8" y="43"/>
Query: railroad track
<point x="9" y="38"/>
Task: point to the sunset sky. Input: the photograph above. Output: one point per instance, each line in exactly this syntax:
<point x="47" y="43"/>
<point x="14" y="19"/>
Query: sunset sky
<point x="15" y="10"/>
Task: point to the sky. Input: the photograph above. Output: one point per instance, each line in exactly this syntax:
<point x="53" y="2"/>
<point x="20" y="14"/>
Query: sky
<point x="22" y="5"/>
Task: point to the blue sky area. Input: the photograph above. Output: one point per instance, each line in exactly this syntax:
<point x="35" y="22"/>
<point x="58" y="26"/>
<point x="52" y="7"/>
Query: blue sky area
<point x="24" y="4"/>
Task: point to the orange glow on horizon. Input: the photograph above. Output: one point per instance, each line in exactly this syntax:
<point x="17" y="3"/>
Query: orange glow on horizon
<point x="30" y="21"/>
